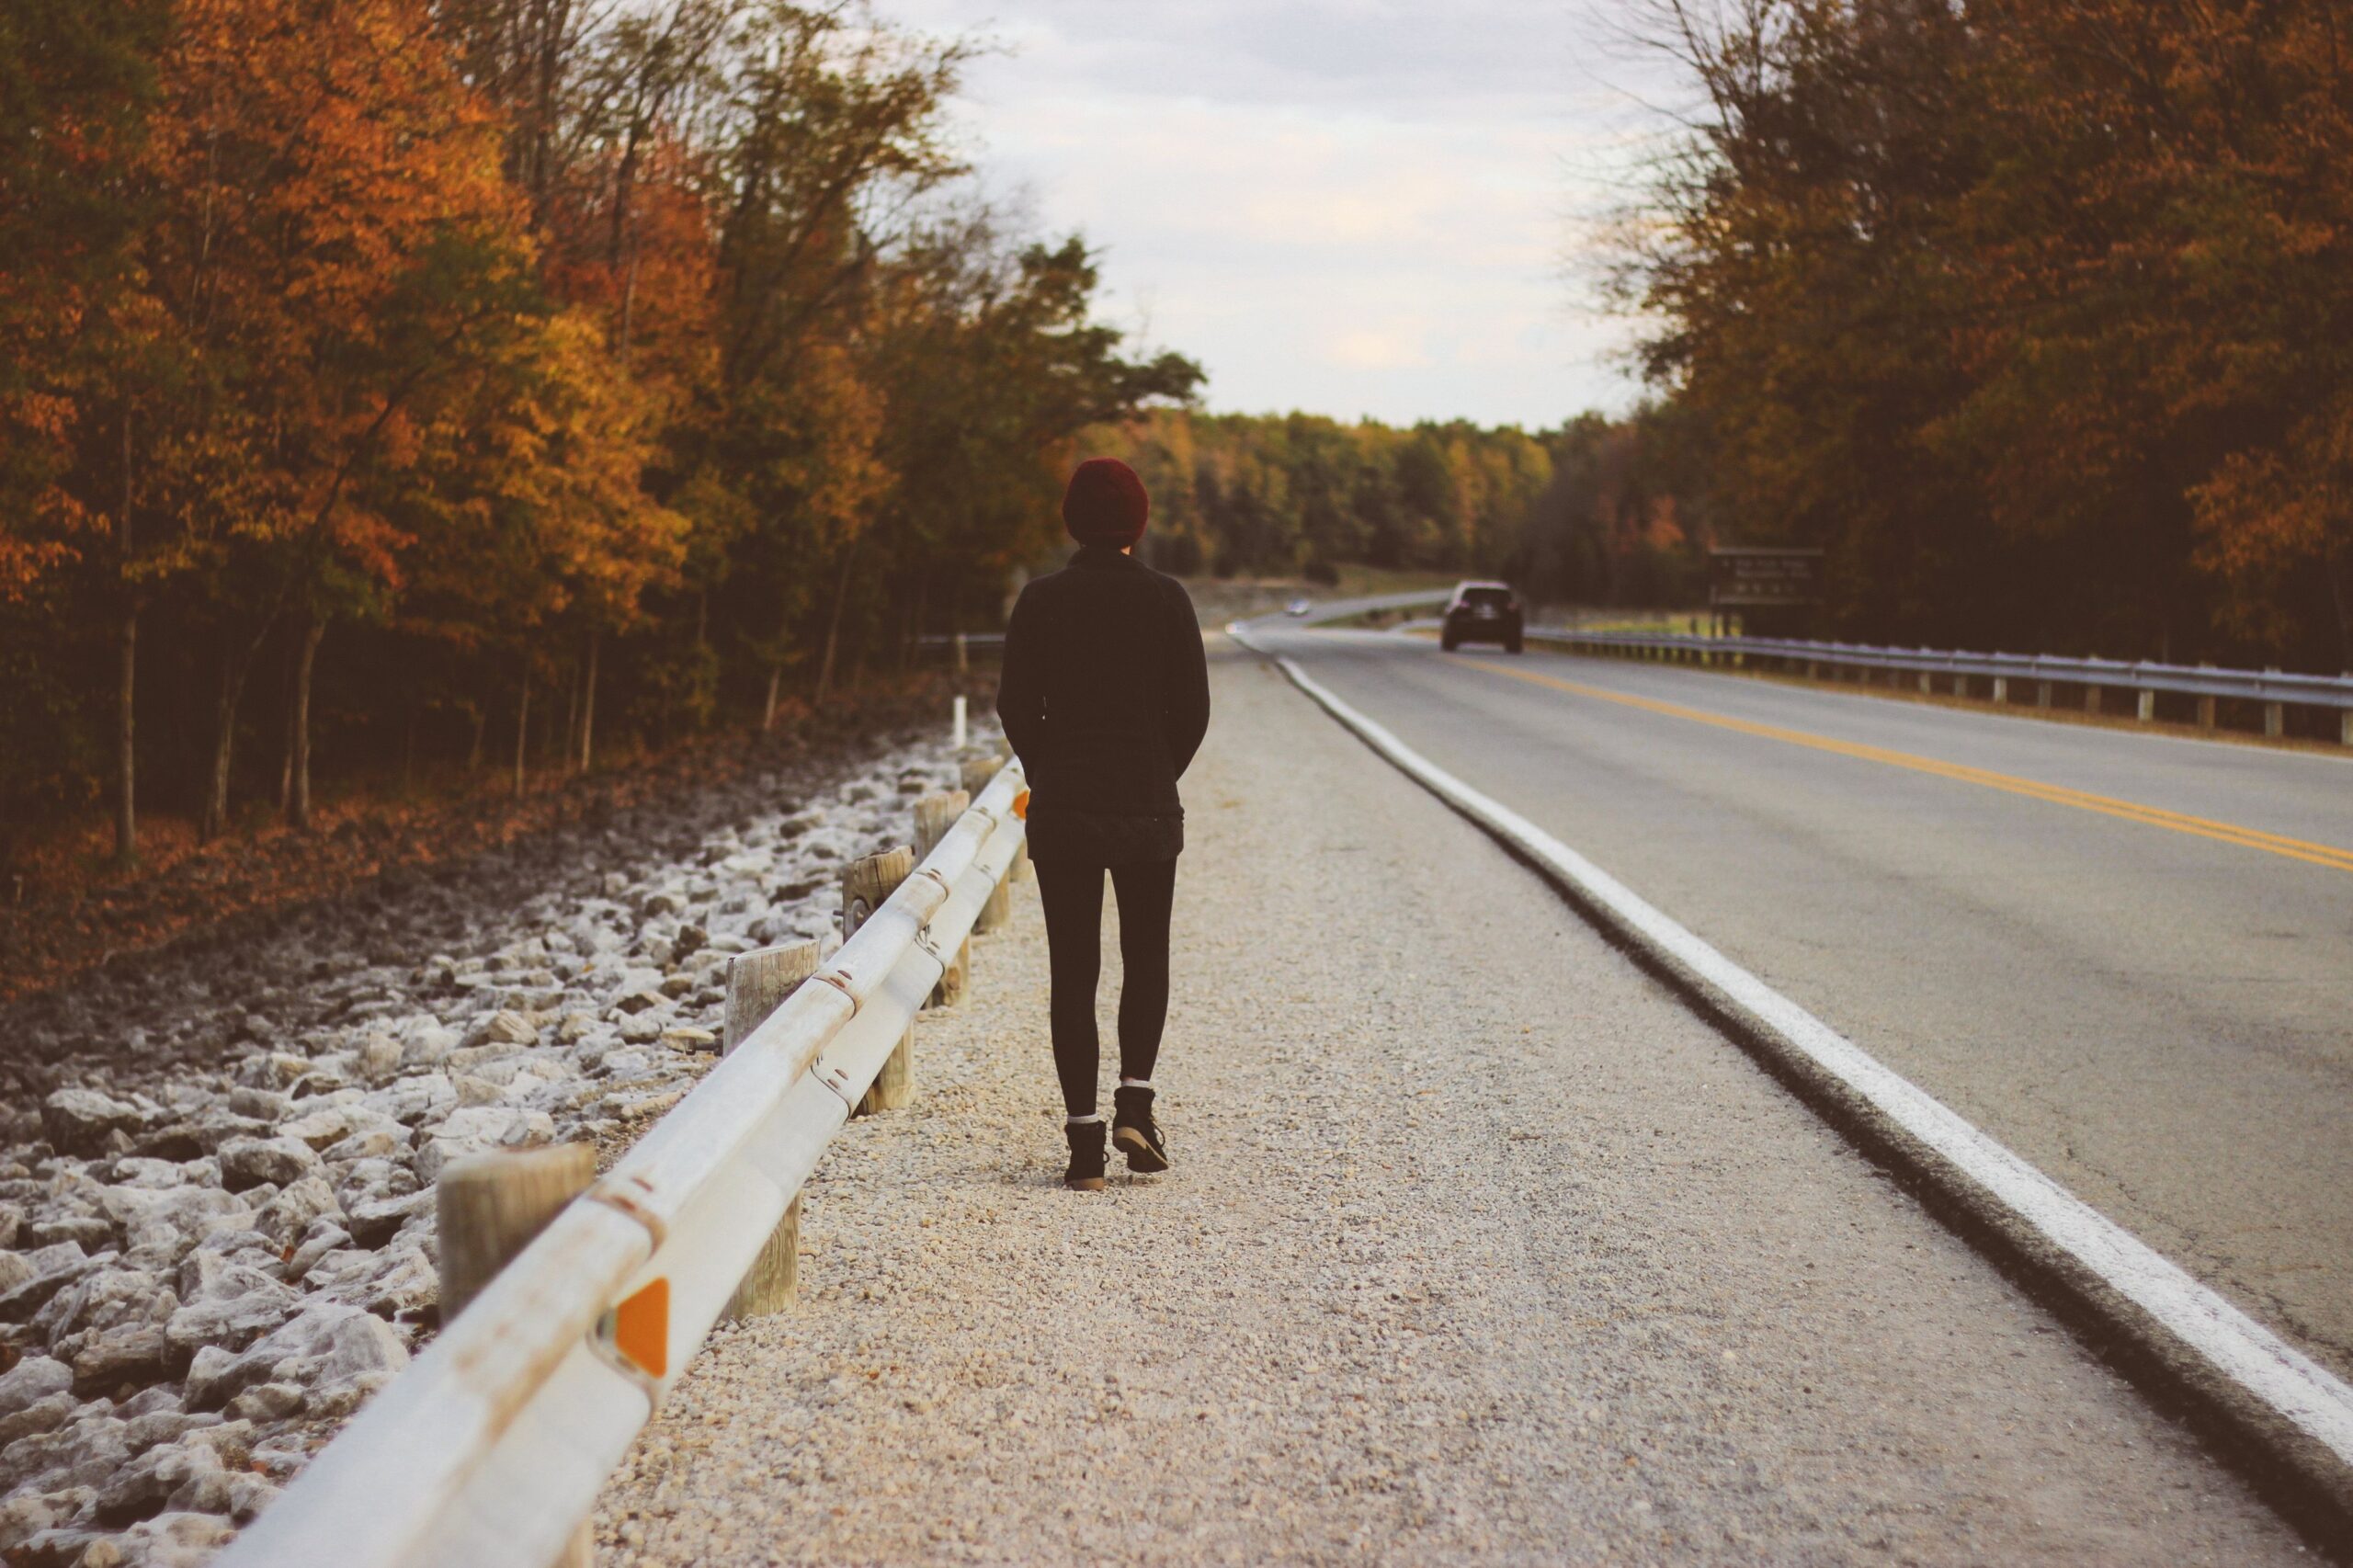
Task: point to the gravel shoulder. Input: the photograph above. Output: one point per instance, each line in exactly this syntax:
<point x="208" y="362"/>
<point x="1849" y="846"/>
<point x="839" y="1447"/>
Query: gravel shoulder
<point x="1479" y="1248"/>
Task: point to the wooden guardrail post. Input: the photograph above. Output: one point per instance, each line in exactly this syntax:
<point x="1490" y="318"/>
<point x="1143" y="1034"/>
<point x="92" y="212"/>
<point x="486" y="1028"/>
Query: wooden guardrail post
<point x="977" y="772"/>
<point x="2002" y="689"/>
<point x="757" y="985"/>
<point x="489" y="1206"/>
<point x="2042" y="693"/>
<point x="2091" y="700"/>
<point x="2275" y="715"/>
<point x="866" y="884"/>
<point x="2147" y="708"/>
<point x="935" y="815"/>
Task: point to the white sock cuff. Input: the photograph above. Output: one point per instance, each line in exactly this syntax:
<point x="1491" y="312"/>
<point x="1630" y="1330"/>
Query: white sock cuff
<point x="1135" y="1083"/>
<point x="1082" y="1120"/>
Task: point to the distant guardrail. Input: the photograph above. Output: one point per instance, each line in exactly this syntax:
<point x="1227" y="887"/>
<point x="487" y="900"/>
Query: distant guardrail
<point x="939" y="642"/>
<point x="490" y="1449"/>
<point x="2039" y="675"/>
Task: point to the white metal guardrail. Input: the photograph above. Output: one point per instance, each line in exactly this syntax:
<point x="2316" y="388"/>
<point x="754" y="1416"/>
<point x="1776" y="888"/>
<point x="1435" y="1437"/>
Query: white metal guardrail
<point x="2193" y="680"/>
<point x="490" y="1449"/>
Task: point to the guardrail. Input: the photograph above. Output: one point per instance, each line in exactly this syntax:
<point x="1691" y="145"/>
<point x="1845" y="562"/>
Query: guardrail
<point x="963" y="644"/>
<point x="2274" y="690"/>
<point x="490" y="1448"/>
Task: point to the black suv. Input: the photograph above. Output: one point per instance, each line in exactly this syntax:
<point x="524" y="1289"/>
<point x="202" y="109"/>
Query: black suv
<point x="1483" y="612"/>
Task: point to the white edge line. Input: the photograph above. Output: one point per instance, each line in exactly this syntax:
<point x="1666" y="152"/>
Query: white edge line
<point x="2298" y="1388"/>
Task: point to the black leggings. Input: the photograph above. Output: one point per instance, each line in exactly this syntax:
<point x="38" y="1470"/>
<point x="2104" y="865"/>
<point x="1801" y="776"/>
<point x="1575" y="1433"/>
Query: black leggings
<point x="1071" y="892"/>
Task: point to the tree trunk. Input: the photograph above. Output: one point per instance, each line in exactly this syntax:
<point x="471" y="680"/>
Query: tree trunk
<point x="588" y="704"/>
<point x="126" y="819"/>
<point x="570" y="750"/>
<point x="298" y="805"/>
<point x="126" y="816"/>
<point x="2340" y="584"/>
<point x="522" y="726"/>
<point x="286" y="742"/>
<point x="923" y="613"/>
<point x="776" y="685"/>
<point x="224" y="736"/>
<point x="834" y="625"/>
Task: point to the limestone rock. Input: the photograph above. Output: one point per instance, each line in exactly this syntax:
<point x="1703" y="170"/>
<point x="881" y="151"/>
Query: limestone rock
<point x="183" y="1539"/>
<point x="251" y="1161"/>
<point x="509" y="1028"/>
<point x="45" y="1414"/>
<point x="227" y="1304"/>
<point x="31" y="1380"/>
<point x="374" y="1224"/>
<point x="478" y="1127"/>
<point x="133" y="1353"/>
<point x="296" y="1208"/>
<point x="77" y="1121"/>
<point x="267" y="1402"/>
<point x="411" y="1100"/>
<point x="331" y="1350"/>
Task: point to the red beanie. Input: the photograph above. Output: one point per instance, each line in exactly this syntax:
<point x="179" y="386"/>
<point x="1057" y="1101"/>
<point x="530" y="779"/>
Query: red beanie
<point x="1105" y="504"/>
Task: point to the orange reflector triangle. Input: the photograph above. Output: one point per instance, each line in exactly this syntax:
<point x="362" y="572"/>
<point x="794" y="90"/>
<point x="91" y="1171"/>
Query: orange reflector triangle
<point x="641" y="1328"/>
<point x="1021" y="805"/>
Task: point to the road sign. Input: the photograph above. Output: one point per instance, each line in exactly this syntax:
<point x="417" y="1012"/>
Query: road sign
<point x="1749" y="577"/>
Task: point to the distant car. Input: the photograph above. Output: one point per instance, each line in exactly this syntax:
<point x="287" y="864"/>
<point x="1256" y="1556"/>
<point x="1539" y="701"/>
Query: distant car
<point x="1298" y="606"/>
<point x="1483" y="612"/>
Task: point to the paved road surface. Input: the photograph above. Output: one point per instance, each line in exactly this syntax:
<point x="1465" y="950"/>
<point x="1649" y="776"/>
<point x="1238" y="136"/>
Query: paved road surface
<point x="2159" y="1017"/>
<point x="1480" y="1248"/>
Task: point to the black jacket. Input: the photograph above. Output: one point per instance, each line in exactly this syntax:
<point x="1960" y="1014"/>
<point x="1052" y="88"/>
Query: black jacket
<point x="1105" y="693"/>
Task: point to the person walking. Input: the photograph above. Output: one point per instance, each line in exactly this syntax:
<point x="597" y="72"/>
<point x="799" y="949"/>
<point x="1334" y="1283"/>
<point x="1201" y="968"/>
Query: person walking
<point x="1104" y="697"/>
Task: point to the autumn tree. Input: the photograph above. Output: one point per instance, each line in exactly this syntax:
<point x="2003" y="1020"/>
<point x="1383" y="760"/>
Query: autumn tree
<point x="573" y="366"/>
<point x="2030" y="312"/>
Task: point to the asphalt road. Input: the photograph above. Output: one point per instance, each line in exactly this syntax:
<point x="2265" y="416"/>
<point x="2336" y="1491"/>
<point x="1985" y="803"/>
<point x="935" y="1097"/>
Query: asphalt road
<point x="2156" y="1009"/>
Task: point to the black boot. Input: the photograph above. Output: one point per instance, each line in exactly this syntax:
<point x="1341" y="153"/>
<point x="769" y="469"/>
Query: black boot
<point x="1085" y="1172"/>
<point x="1135" y="1132"/>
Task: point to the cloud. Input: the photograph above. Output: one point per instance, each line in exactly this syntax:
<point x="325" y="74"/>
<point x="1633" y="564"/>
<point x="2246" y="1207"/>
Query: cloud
<point x="1346" y="206"/>
<point x="1399" y="348"/>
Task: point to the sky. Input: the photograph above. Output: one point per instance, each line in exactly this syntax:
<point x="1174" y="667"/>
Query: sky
<point x="1349" y="207"/>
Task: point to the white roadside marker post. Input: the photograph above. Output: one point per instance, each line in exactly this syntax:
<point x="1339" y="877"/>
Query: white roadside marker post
<point x="959" y="725"/>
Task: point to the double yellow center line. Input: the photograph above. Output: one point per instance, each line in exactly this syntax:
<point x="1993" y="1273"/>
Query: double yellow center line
<point x="2057" y="795"/>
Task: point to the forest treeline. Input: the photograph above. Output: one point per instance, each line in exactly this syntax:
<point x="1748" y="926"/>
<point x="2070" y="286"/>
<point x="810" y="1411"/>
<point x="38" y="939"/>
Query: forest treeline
<point x="1594" y="511"/>
<point x="493" y="380"/>
<point x="2036" y="314"/>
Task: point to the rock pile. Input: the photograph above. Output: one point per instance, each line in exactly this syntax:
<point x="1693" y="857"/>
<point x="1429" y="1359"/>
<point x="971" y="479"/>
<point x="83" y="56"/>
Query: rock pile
<point x="202" y="1274"/>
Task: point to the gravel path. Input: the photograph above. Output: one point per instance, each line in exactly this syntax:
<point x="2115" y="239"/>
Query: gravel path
<point x="1478" y="1248"/>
